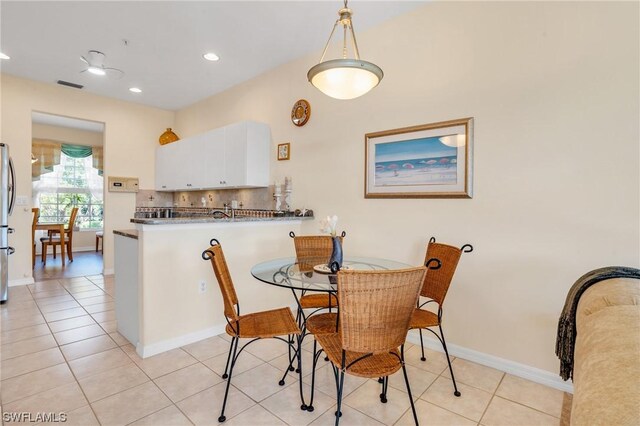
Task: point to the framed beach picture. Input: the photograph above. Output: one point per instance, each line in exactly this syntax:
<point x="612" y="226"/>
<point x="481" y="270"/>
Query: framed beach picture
<point x="427" y="161"/>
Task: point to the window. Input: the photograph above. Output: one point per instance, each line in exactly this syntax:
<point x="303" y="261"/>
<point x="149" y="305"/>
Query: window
<point x="73" y="183"/>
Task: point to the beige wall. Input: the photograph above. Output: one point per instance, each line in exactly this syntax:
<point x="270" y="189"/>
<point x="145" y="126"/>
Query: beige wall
<point x="131" y="135"/>
<point x="553" y="88"/>
<point x="67" y="135"/>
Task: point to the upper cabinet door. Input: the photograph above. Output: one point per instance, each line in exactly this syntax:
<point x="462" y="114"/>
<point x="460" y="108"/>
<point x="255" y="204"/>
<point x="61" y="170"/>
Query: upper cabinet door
<point x="236" y="155"/>
<point x="213" y="151"/>
<point x="165" y="167"/>
<point x="257" y="159"/>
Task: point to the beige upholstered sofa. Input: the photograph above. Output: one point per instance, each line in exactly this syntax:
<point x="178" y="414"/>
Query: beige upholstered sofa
<point x="606" y="369"/>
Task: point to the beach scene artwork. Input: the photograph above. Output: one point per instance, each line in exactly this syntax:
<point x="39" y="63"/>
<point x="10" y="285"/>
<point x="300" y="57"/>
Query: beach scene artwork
<point x="424" y="161"/>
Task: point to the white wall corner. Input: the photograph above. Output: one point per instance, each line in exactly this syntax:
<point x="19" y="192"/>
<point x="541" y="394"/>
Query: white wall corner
<point x="108" y="271"/>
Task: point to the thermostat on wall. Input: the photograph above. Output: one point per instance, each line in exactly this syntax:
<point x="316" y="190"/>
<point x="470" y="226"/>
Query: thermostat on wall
<point x="123" y="184"/>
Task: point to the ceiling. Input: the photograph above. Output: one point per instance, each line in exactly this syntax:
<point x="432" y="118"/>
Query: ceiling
<point x="166" y="40"/>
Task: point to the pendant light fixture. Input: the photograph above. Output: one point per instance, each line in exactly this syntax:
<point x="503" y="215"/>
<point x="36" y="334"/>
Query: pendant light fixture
<point x="344" y="78"/>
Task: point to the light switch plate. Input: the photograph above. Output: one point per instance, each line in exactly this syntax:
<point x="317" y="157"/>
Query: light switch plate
<point x="22" y="200"/>
<point x="123" y="184"/>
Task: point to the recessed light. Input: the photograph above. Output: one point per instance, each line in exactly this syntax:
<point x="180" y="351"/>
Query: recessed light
<point x="211" y="56"/>
<point x="135" y="90"/>
<point x="3" y="56"/>
<point x="96" y="71"/>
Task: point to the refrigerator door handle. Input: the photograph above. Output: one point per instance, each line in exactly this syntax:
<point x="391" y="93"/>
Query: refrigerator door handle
<point x="10" y="250"/>
<point x="12" y="186"/>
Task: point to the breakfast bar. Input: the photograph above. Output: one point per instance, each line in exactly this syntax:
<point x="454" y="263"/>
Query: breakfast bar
<point x="167" y="296"/>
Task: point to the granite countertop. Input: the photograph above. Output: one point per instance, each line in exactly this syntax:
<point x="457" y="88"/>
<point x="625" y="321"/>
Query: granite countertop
<point x="131" y="233"/>
<point x="209" y="219"/>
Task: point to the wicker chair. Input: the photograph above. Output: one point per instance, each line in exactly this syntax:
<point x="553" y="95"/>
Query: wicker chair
<point x="54" y="241"/>
<point x="255" y="326"/>
<point x="375" y="310"/>
<point x="34" y="222"/>
<point x="441" y="260"/>
<point x="313" y="250"/>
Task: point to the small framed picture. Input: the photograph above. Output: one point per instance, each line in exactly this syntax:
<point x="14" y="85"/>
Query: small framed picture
<point x="284" y="151"/>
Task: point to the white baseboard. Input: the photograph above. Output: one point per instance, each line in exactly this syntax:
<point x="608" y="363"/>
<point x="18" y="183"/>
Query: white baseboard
<point x="534" y="374"/>
<point x="21" y="281"/>
<point x="167" y="345"/>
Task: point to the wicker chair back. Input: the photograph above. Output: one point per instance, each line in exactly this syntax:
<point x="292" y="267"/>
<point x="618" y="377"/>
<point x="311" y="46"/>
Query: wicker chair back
<point x="312" y="250"/>
<point x="223" y="276"/>
<point x="376" y="307"/>
<point x="437" y="281"/>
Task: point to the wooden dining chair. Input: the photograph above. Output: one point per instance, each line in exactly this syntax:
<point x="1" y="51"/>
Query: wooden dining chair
<point x="34" y="222"/>
<point x="375" y="310"/>
<point x="441" y="261"/>
<point x="274" y="323"/>
<point x="54" y="241"/>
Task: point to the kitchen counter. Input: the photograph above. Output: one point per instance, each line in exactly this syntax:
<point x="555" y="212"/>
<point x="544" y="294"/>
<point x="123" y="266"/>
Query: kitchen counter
<point x="167" y="296"/>
<point x="209" y="219"/>
<point x="130" y="233"/>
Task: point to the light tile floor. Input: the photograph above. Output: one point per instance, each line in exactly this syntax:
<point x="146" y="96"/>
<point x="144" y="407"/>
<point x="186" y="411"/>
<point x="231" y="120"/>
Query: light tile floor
<point x="61" y="353"/>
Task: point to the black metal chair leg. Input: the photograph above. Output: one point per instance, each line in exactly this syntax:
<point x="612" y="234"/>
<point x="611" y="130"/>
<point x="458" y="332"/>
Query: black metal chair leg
<point x="456" y="392"/>
<point x="339" y="397"/>
<point x="222" y="418"/>
<point x="406" y="382"/>
<point x="226" y="367"/>
<point x="422" y="346"/>
<point x="303" y="406"/>
<point x="316" y="355"/>
<point x="291" y="358"/>
<point x="385" y="386"/>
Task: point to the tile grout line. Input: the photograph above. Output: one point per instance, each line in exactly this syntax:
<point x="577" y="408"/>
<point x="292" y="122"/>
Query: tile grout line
<point x="493" y="395"/>
<point x="71" y="371"/>
<point x="159" y="388"/>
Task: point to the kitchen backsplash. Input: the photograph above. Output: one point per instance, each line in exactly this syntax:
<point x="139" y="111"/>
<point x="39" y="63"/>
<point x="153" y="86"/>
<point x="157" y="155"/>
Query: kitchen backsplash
<point x="254" y="198"/>
<point x="151" y="198"/>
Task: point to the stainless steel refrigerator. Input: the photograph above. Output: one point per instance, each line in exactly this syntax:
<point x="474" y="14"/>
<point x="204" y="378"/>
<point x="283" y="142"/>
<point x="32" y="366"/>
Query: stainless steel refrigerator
<point x="7" y="201"/>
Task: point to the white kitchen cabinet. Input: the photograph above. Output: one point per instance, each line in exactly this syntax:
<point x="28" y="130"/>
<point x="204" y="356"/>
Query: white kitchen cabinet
<point x="234" y="156"/>
<point x="165" y="156"/>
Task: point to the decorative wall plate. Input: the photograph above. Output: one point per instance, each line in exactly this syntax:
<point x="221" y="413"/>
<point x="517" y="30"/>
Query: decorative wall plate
<point x="300" y="112"/>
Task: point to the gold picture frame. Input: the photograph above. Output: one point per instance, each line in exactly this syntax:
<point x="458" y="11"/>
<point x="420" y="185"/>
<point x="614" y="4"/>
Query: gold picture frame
<point x="284" y="151"/>
<point x="427" y="161"/>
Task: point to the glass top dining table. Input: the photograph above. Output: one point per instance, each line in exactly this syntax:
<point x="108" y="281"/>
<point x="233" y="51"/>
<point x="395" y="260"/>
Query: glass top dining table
<point x="313" y="275"/>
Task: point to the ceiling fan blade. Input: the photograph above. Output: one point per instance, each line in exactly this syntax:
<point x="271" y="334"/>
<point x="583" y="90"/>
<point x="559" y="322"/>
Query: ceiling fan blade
<point x="83" y="59"/>
<point x="114" y="73"/>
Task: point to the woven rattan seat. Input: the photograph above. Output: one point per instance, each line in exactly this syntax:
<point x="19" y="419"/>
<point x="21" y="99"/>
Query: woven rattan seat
<point x="374" y="366"/>
<point x="315" y="301"/>
<point x="422" y="318"/>
<point x="374" y="315"/>
<point x="275" y="323"/>
<point x="322" y="323"/>
<point x="442" y="261"/>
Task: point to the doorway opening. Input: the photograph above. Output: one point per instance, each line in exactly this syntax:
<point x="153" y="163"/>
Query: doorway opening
<point x="67" y="164"/>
